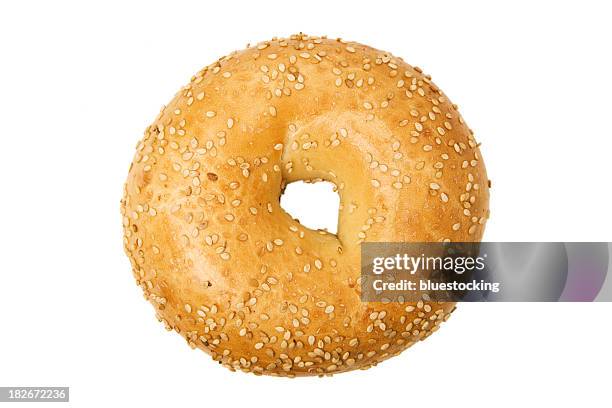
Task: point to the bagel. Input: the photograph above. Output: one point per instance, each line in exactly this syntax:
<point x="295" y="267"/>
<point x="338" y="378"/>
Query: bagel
<point x="226" y="267"/>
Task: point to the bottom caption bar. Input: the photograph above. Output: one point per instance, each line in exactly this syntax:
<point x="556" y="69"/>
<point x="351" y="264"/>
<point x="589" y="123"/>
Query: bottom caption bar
<point x="34" y="394"/>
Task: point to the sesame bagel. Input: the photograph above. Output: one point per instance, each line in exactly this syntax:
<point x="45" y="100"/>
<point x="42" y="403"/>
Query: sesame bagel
<point x="226" y="267"/>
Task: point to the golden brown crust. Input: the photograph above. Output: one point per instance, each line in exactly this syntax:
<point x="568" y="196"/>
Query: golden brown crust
<point x="228" y="269"/>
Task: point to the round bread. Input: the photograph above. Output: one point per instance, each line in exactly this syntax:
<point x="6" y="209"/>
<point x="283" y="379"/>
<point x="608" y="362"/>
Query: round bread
<point x="226" y="267"/>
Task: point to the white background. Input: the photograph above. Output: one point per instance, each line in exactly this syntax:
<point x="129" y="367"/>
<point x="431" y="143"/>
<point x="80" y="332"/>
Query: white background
<point x="80" y="82"/>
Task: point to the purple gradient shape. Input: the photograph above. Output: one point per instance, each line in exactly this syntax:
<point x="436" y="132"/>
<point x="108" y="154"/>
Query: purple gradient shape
<point x="586" y="275"/>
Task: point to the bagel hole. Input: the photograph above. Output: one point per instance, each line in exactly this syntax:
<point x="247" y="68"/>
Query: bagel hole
<point x="314" y="205"/>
